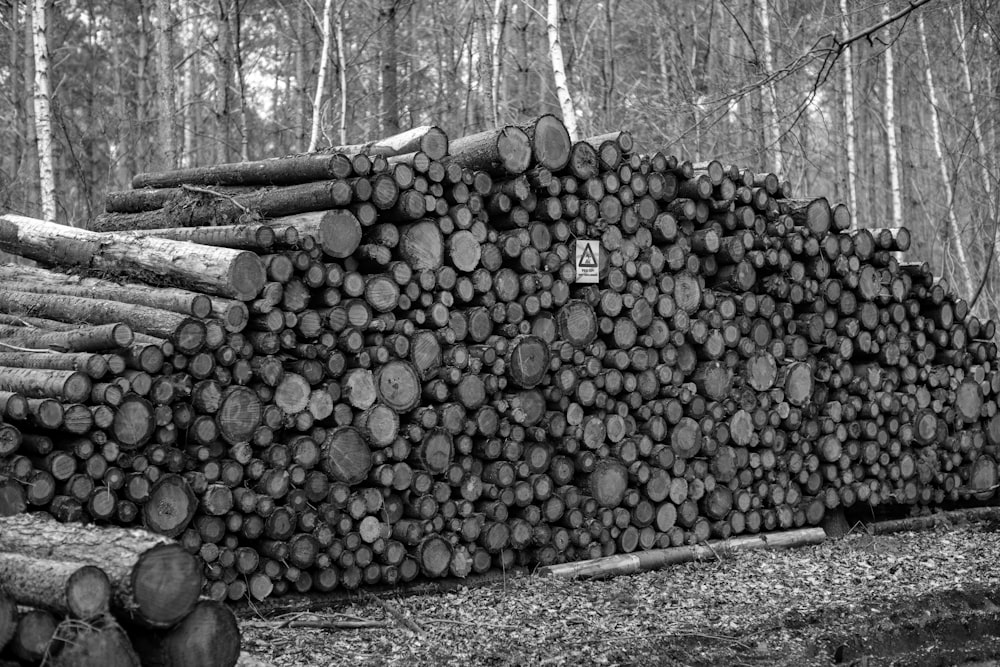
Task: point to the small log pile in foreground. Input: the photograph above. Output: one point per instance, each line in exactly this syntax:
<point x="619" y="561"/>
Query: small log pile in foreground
<point x="343" y="369"/>
<point x="78" y="596"/>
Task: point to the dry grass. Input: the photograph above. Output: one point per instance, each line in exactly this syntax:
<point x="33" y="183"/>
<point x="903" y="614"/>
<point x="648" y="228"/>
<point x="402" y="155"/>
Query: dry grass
<point x="763" y="608"/>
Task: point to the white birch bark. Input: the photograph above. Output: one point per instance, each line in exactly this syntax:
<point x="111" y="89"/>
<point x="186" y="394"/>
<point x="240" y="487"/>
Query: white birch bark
<point x="499" y="25"/>
<point x="43" y="114"/>
<point x="849" y="129"/>
<point x="889" y="113"/>
<point x="324" y="66"/>
<point x="953" y="229"/>
<point x="338" y="28"/>
<point x="559" y="70"/>
<point x="772" y="127"/>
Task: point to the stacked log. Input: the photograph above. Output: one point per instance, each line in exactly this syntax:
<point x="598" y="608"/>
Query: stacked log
<point x="78" y="595"/>
<point x="410" y="380"/>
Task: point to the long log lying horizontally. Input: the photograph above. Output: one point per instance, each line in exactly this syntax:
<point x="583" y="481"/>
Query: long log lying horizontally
<point x="220" y="271"/>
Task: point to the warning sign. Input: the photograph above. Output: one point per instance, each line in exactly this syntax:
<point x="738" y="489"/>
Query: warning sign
<point x="588" y="256"/>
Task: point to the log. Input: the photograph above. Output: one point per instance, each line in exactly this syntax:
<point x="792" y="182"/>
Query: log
<point x="42" y="281"/>
<point x="99" y="643"/>
<point x="156" y="583"/>
<point x="97" y="338"/>
<point x="230" y="273"/>
<point x="338" y="232"/>
<point x="550" y="142"/>
<point x="257" y="236"/>
<point x="63" y="588"/>
<point x="207" y="637"/>
<point x="428" y="139"/>
<point x="185" y="332"/>
<point x="656" y="559"/>
<point x="502" y="152"/>
<point x="275" y="171"/>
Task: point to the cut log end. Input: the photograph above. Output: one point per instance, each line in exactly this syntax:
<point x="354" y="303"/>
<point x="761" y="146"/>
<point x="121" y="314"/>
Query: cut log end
<point x="166" y="583"/>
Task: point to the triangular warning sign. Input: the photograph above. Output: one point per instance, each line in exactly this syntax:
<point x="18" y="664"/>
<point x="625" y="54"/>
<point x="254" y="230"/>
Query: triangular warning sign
<point x="587" y="259"/>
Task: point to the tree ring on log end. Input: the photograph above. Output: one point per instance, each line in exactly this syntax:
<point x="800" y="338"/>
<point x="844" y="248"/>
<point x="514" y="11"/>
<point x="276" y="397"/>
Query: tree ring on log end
<point x="398" y="385"/>
<point x="170" y="507"/>
<point x="798" y="384"/>
<point x="577" y="323"/>
<point x="340" y="234"/>
<point x="133" y="423"/>
<point x="247" y="276"/>
<point x="608" y="483"/>
<point x="527" y="361"/>
<point x="969" y="400"/>
<point x="239" y="414"/>
<point x="346" y="456"/>
<point x="166" y="584"/>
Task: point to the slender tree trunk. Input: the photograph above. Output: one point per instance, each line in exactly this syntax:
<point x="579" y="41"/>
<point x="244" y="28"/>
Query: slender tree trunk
<point x="608" y="66"/>
<point x="239" y="77"/>
<point x="499" y="28"/>
<point x="484" y="64"/>
<point x="390" y="85"/>
<point x="338" y="28"/>
<point x="224" y="87"/>
<point x="141" y="148"/>
<point x="849" y="126"/>
<point x="559" y="70"/>
<point x="889" y="108"/>
<point x="165" y="85"/>
<point x="324" y="65"/>
<point x="17" y="131"/>
<point x="953" y="228"/>
<point x="772" y="127"/>
<point x="190" y="74"/>
<point x="301" y="79"/>
<point x="977" y="128"/>
<point x="43" y="117"/>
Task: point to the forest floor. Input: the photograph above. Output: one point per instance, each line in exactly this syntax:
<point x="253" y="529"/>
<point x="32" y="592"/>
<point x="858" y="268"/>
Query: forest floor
<point x="915" y="598"/>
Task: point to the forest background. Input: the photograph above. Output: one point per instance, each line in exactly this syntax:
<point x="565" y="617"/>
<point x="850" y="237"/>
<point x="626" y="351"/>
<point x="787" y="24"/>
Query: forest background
<point x="890" y="107"/>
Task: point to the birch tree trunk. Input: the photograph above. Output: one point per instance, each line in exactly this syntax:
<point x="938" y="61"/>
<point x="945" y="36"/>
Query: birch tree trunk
<point x="324" y="65"/>
<point x="499" y="27"/>
<point x="43" y="115"/>
<point x="559" y="71"/>
<point x="165" y="86"/>
<point x="953" y="228"/>
<point x="849" y="128"/>
<point x="889" y="112"/>
<point x="772" y="126"/>
<point x="338" y="28"/>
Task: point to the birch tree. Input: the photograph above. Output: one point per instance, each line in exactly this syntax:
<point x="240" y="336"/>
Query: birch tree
<point x="43" y="114"/>
<point x="849" y="127"/>
<point x="338" y="29"/>
<point x="559" y="70"/>
<point x="771" y="123"/>
<point x="954" y="231"/>
<point x="324" y="65"/>
<point x="889" y="114"/>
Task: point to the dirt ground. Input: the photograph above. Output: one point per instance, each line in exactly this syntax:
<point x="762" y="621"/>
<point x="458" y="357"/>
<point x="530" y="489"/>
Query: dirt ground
<point x="916" y="598"/>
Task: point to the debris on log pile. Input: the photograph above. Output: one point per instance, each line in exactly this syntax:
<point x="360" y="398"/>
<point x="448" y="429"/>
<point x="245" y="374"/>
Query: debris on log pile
<point x="520" y="351"/>
<point x="68" y="592"/>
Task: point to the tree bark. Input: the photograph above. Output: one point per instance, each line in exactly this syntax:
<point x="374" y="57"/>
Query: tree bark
<point x="64" y="588"/>
<point x="324" y="66"/>
<point x="389" y="55"/>
<point x="231" y="273"/>
<point x="559" y="71"/>
<point x="43" y="112"/>
<point x="773" y="123"/>
<point x="849" y="125"/>
<point x="954" y="231"/>
<point x="166" y="85"/>
<point x="889" y="112"/>
<point x="156" y="583"/>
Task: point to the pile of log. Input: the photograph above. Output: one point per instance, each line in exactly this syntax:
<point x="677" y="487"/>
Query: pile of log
<point x="347" y="368"/>
<point x="81" y="596"/>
